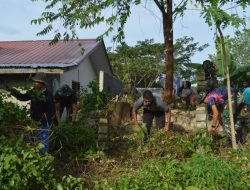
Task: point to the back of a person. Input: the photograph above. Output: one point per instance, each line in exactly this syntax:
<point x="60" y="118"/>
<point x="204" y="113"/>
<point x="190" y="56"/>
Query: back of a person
<point x="65" y="96"/>
<point x="65" y="101"/>
<point x="246" y="96"/>
<point x="222" y="91"/>
<point x="42" y="105"/>
<point x="218" y="94"/>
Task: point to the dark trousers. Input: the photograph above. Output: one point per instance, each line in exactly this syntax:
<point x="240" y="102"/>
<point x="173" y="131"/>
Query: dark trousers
<point x="148" y="117"/>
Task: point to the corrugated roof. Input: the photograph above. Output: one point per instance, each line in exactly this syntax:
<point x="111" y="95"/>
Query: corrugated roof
<point x="40" y="54"/>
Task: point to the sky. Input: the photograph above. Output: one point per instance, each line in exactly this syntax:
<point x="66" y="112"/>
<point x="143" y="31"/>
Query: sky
<point x="16" y="15"/>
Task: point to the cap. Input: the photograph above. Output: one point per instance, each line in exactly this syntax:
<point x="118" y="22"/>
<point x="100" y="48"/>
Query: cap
<point x="40" y="77"/>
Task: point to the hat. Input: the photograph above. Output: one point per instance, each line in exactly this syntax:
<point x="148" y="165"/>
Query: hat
<point x="40" y="77"/>
<point x="65" y="90"/>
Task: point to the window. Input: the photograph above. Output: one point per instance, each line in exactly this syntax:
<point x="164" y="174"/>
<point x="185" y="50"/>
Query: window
<point x="76" y="88"/>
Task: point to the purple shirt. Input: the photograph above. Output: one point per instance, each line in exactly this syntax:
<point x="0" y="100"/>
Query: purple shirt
<point x="217" y="96"/>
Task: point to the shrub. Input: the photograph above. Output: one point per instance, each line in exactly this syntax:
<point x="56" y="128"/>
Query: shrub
<point x="92" y="99"/>
<point x="209" y="172"/>
<point x="11" y="113"/>
<point x="200" y="172"/>
<point x="22" y="167"/>
<point x="74" y="139"/>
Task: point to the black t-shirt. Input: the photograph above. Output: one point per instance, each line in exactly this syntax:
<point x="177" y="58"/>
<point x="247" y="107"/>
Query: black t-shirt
<point x="41" y="106"/>
<point x="66" y="101"/>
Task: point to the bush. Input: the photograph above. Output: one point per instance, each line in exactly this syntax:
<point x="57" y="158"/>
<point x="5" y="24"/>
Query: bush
<point x="180" y="161"/>
<point x="11" y="113"/>
<point x="209" y="172"/>
<point x="22" y="167"/>
<point x="74" y="139"/>
<point x="92" y="99"/>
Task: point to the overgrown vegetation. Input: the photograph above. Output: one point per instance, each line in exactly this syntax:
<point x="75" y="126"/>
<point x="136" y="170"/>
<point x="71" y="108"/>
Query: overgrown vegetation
<point x="11" y="113"/>
<point x="173" y="160"/>
<point x="92" y="99"/>
<point x="73" y="140"/>
<point x="23" y="167"/>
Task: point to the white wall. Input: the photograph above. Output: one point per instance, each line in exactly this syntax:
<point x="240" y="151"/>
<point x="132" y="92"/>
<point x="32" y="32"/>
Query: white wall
<point x="84" y="73"/>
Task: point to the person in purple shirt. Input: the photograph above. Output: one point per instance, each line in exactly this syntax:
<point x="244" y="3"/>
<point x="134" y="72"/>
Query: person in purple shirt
<point x="216" y="100"/>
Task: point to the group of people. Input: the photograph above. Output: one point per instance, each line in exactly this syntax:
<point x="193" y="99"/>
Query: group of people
<point x="216" y="98"/>
<point x="45" y="108"/>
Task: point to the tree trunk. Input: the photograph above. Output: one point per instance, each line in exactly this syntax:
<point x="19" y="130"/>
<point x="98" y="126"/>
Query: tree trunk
<point x="168" y="40"/>
<point x="233" y="138"/>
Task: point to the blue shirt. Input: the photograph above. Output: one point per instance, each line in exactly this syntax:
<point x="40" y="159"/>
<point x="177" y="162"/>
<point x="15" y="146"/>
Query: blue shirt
<point x="246" y="96"/>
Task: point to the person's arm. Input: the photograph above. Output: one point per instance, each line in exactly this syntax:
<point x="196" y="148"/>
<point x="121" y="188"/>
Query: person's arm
<point x="163" y="107"/>
<point x="137" y="105"/>
<point x="215" y="122"/>
<point x="74" y="112"/>
<point x="215" y="112"/>
<point x="168" y="120"/>
<point x="134" y="113"/>
<point x="20" y="96"/>
<point x="73" y="100"/>
<point x="57" y="109"/>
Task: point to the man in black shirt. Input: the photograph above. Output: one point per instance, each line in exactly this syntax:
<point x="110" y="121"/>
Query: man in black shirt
<point x="65" y="97"/>
<point x="41" y="107"/>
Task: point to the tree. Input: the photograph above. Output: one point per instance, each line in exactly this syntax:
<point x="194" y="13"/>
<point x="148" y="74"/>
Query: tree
<point x="141" y="65"/>
<point x="184" y="49"/>
<point x="138" y="66"/>
<point x="215" y="15"/>
<point x="237" y="48"/>
<point x="218" y="58"/>
<point x="88" y="13"/>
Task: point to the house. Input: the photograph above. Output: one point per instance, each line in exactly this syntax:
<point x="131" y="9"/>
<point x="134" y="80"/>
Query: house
<point x="75" y="62"/>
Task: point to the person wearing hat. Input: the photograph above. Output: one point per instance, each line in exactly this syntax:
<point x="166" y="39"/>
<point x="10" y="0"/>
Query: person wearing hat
<point x="41" y="107"/>
<point x="65" y="97"/>
<point x="153" y="106"/>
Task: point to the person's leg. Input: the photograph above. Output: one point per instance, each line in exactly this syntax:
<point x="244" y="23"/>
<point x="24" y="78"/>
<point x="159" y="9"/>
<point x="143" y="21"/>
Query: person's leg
<point x="187" y="101"/>
<point x="43" y="137"/>
<point x="160" y="119"/>
<point x="148" y="119"/>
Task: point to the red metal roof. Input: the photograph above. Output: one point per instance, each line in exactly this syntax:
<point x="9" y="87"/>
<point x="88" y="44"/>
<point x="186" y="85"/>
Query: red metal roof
<point x="41" y="54"/>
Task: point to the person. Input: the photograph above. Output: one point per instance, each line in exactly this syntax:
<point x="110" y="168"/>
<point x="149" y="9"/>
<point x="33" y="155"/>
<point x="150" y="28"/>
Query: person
<point x="41" y="107"/>
<point x="245" y="85"/>
<point x="246" y="96"/>
<point x="65" y="97"/>
<point x="186" y="93"/>
<point x="216" y="99"/>
<point x="153" y="107"/>
<point x="242" y="116"/>
<point x="210" y="70"/>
